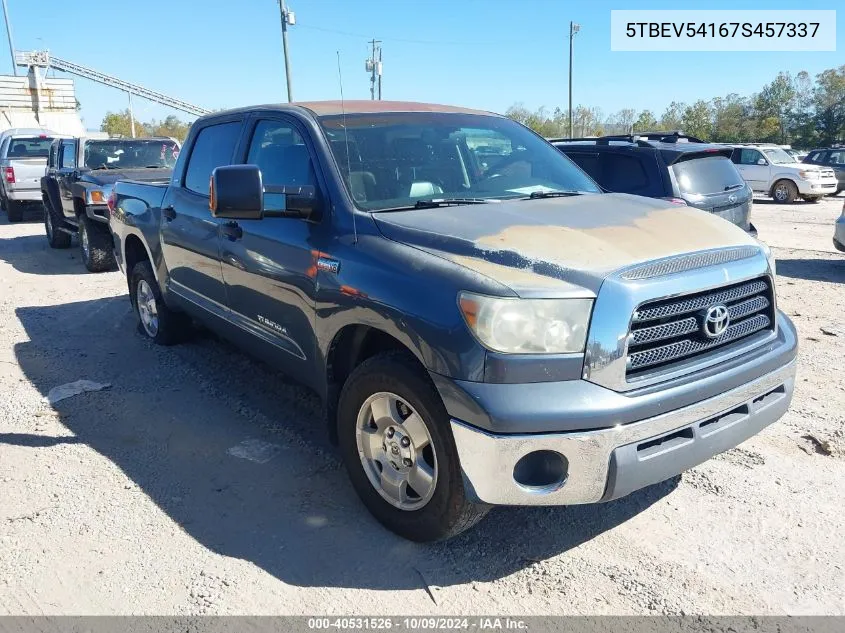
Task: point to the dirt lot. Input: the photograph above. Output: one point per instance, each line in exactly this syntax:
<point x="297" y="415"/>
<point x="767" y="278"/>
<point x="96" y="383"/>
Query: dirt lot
<point x="132" y="499"/>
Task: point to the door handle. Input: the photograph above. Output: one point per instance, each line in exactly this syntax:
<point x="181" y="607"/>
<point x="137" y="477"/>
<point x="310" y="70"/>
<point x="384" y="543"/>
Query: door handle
<point x="169" y="213"/>
<point x="231" y="231"/>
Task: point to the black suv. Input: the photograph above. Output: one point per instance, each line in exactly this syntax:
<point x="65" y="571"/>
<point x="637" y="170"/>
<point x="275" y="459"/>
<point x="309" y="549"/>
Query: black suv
<point x="667" y="165"/>
<point x="833" y="157"/>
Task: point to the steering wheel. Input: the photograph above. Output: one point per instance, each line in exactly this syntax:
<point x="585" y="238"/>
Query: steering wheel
<point x="515" y="157"/>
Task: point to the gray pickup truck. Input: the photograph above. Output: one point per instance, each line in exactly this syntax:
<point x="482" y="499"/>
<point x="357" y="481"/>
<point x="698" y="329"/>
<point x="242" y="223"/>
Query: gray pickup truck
<point x="483" y="324"/>
<point x="77" y="183"/>
<point x="23" y="157"/>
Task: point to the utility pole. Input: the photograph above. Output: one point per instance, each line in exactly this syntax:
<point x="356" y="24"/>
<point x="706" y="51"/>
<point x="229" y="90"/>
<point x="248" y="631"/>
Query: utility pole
<point x="288" y="17"/>
<point x="9" y="33"/>
<point x="373" y="66"/>
<point x="131" y="116"/>
<point x="573" y="29"/>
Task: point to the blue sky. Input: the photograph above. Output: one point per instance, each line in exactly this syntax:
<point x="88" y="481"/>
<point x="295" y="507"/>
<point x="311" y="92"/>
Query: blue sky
<point x="479" y="53"/>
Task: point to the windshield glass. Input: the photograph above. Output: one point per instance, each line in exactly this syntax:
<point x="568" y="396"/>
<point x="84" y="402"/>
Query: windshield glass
<point x="30" y="147"/>
<point x="392" y="160"/>
<point x="778" y="156"/>
<point x="130" y="153"/>
<point x="713" y="174"/>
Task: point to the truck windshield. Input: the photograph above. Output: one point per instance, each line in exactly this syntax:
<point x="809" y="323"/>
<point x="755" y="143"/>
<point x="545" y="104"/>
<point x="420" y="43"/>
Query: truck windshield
<point x="130" y="153"/>
<point x="29" y="147"/>
<point x="394" y="160"/>
<point x="778" y="156"/>
<point x="713" y="174"/>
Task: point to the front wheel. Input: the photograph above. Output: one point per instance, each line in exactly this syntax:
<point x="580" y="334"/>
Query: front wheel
<point x="398" y="448"/>
<point x="56" y="238"/>
<point x="811" y="198"/>
<point x="97" y="247"/>
<point x="155" y="320"/>
<point x="785" y="191"/>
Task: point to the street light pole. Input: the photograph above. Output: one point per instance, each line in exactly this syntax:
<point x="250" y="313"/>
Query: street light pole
<point x="9" y="33"/>
<point x="573" y="29"/>
<point x="287" y="18"/>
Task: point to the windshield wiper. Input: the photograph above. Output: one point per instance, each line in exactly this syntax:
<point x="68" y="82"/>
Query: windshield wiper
<point x="731" y="187"/>
<point x="536" y="195"/>
<point x="433" y="203"/>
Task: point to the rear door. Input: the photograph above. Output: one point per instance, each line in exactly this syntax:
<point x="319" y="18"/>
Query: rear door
<point x="66" y="175"/>
<point x="269" y="264"/>
<point x="747" y="161"/>
<point x="189" y="234"/>
<point x="711" y="182"/>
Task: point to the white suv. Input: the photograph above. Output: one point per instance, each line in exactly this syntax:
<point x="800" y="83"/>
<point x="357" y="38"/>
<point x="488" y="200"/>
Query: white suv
<point x="770" y="171"/>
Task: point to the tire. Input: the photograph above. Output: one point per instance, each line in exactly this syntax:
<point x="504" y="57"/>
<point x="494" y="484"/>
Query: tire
<point x="14" y="210"/>
<point x="811" y="198"/>
<point x="95" y="242"/>
<point x="784" y="191"/>
<point x="170" y="327"/>
<point x="438" y="513"/>
<point x="838" y="191"/>
<point x="55" y="237"/>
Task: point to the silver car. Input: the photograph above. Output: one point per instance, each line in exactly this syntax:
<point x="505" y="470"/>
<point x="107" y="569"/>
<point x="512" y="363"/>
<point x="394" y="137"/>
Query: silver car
<point x="839" y="231"/>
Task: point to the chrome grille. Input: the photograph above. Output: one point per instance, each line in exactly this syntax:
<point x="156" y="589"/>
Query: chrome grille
<point x="683" y="263"/>
<point x="669" y="330"/>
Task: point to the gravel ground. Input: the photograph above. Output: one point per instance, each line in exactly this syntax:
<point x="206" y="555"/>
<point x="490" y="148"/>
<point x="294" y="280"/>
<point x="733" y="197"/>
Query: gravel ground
<point x="138" y="500"/>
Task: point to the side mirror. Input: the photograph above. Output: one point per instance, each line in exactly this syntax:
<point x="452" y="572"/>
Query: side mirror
<point x="762" y="161"/>
<point x="236" y="193"/>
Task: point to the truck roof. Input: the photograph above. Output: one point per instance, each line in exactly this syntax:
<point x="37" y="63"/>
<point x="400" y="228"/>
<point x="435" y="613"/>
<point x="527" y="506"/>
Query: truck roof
<point x="361" y="106"/>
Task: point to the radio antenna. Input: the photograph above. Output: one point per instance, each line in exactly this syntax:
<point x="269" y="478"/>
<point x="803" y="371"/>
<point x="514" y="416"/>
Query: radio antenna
<point x="346" y="141"/>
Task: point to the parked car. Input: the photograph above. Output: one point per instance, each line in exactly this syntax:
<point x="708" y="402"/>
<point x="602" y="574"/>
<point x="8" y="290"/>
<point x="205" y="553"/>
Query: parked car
<point x="484" y="325"/>
<point x="770" y="171"/>
<point x="798" y="155"/>
<point x="666" y="165"/>
<point x="839" y="231"/>
<point x="78" y="181"/>
<point x="23" y="157"/>
<point x="834" y="158"/>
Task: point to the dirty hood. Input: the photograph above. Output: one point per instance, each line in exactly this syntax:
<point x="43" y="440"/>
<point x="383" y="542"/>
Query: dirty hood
<point x="559" y="244"/>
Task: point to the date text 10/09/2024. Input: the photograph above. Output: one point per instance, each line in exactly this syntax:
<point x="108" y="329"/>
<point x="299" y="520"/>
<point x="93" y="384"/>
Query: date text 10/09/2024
<point x="418" y="623"/>
<point x="723" y="29"/>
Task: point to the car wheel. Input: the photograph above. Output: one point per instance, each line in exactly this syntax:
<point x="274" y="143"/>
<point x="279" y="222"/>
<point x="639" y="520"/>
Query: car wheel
<point x="14" y="210"/>
<point x="398" y="448"/>
<point x="155" y="320"/>
<point x="96" y="244"/>
<point x="811" y="198"/>
<point x="785" y="191"/>
<point x="55" y="238"/>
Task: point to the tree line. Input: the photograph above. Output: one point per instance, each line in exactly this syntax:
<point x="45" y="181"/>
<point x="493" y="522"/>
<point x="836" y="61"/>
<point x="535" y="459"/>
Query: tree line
<point x="800" y="110"/>
<point x="118" y="124"/>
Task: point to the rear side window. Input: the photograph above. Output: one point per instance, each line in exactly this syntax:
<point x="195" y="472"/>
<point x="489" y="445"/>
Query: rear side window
<point x="713" y="174"/>
<point x="213" y="147"/>
<point x="624" y="174"/>
<point x="589" y="162"/>
<point x="837" y="157"/>
<point x="745" y="156"/>
<point x="29" y="147"/>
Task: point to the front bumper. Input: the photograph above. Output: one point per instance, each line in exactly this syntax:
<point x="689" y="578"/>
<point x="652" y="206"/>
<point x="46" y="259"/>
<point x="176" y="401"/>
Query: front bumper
<point x="821" y="187"/>
<point x="609" y="463"/>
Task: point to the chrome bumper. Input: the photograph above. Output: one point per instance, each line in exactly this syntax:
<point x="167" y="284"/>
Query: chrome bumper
<point x="609" y="463"/>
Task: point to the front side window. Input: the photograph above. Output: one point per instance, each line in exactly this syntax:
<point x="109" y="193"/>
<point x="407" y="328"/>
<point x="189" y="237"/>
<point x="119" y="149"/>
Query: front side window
<point x="213" y="147"/>
<point x="281" y="154"/>
<point x="393" y="160"/>
<point x="814" y="157"/>
<point x="67" y="158"/>
<point x="749" y="156"/>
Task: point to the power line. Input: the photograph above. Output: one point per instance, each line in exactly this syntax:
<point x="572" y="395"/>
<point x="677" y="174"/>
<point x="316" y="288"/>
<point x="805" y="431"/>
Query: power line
<point x="406" y="40"/>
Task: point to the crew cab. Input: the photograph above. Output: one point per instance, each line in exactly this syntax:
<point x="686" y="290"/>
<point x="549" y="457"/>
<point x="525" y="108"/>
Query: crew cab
<point x="23" y="157"/>
<point x="77" y="183"/>
<point x="770" y="171"/>
<point x="483" y="324"/>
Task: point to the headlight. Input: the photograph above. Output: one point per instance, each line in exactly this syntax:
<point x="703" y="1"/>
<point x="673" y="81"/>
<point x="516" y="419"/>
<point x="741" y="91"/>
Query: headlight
<point x="809" y="174"/>
<point x="527" y="326"/>
<point x="769" y="255"/>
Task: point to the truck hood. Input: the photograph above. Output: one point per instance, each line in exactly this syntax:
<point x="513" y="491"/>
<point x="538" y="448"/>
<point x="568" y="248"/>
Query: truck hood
<point x="558" y="245"/>
<point x="111" y="176"/>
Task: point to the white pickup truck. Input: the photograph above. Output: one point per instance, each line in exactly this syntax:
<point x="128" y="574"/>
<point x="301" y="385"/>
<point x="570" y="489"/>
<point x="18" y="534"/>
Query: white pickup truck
<point x="770" y="171"/>
<point x="23" y="159"/>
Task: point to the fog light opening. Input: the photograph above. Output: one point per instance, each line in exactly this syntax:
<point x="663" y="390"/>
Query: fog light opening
<point x="541" y="471"/>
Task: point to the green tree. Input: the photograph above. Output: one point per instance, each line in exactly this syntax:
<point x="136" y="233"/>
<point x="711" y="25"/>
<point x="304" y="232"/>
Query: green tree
<point x="172" y="126"/>
<point x="697" y="120"/>
<point x="776" y="101"/>
<point x="645" y="122"/>
<point x="118" y="124"/>
<point x="625" y="118"/>
<point x="672" y="118"/>
<point x="829" y="102"/>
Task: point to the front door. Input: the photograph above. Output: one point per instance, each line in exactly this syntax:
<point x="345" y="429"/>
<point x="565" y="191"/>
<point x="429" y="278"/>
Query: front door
<point x="269" y="265"/>
<point x="747" y="163"/>
<point x="66" y="175"/>
<point x="189" y="234"/>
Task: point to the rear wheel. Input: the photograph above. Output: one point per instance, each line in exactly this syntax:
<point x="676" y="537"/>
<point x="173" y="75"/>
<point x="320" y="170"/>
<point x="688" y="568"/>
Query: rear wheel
<point x="155" y="320"/>
<point x="14" y="211"/>
<point x="399" y="451"/>
<point x="97" y="247"/>
<point x="56" y="238"/>
<point x="785" y="191"/>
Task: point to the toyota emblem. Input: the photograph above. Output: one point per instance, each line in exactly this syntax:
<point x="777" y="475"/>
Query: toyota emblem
<point x="716" y="321"/>
<point x="732" y="198"/>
